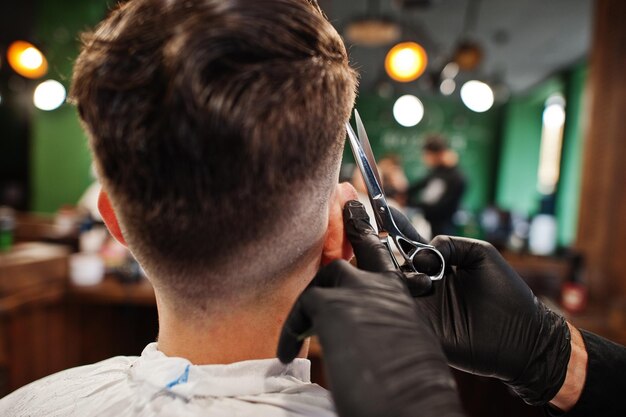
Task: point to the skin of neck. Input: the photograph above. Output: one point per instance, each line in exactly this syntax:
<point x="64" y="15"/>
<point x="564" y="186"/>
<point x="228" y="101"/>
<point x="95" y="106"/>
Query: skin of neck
<point x="242" y="333"/>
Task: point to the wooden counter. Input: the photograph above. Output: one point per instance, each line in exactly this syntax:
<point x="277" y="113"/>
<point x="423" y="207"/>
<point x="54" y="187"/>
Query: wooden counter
<point x="112" y="291"/>
<point x="33" y="227"/>
<point x="33" y="283"/>
<point x="32" y="273"/>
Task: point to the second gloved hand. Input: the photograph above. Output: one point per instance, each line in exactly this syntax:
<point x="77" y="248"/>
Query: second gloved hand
<point x="490" y="323"/>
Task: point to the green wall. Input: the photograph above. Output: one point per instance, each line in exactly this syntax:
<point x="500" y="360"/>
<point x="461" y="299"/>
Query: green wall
<point x="521" y="141"/>
<point x="59" y="157"/>
<point x="473" y="135"/>
<point x="516" y="188"/>
<point x="60" y="160"/>
<point x="568" y="196"/>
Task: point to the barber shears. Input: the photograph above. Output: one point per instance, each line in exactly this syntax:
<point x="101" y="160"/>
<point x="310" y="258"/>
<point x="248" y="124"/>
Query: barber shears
<point x="388" y="231"/>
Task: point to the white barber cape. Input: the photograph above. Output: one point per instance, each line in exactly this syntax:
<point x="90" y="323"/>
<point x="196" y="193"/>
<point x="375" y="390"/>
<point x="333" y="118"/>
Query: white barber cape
<point x="156" y="385"/>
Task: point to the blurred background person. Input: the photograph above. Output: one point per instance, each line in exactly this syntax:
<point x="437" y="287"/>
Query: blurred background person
<point x="439" y="193"/>
<point x="395" y="183"/>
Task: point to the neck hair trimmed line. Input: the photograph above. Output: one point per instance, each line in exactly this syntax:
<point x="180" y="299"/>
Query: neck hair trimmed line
<point x="238" y="332"/>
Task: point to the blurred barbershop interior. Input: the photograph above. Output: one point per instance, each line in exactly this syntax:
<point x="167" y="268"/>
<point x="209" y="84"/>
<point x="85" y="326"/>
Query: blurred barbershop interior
<point x="499" y="120"/>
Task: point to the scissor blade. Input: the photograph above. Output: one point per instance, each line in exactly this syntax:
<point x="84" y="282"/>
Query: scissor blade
<point x="367" y="171"/>
<point x="375" y="193"/>
<point x="367" y="148"/>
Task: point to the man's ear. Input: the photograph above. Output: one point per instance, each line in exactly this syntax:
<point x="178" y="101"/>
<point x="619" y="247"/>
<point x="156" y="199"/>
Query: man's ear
<point x="336" y="244"/>
<point x="110" y="219"/>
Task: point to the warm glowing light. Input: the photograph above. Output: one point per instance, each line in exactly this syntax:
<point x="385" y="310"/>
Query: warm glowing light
<point x="31" y="58"/>
<point x="49" y="95"/>
<point x="477" y="96"/>
<point x="406" y="61"/>
<point x="447" y="86"/>
<point x="408" y="110"/>
<point x="27" y="60"/>
<point x="373" y="31"/>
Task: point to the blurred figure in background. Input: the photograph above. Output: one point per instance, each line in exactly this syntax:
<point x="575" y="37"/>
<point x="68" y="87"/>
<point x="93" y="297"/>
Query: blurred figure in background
<point x="439" y="194"/>
<point x="395" y="183"/>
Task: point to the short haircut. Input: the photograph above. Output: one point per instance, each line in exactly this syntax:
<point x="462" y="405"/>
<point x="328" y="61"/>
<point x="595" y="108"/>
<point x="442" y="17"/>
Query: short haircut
<point x="435" y="143"/>
<point x="217" y="127"/>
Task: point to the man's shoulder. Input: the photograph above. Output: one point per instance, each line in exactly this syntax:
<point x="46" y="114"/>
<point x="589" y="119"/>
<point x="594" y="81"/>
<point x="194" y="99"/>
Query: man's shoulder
<point x="61" y="394"/>
<point x="157" y="385"/>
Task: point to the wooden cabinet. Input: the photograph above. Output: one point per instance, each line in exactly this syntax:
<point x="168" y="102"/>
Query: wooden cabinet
<point x="34" y="334"/>
<point x="47" y="325"/>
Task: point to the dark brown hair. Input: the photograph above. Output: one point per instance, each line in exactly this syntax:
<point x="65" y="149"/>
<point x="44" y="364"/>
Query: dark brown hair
<point x="216" y="125"/>
<point x="435" y="143"/>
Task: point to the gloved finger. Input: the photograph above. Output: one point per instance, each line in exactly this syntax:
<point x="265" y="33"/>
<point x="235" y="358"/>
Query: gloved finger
<point x="294" y="331"/>
<point x="427" y="261"/>
<point x="463" y="252"/>
<point x="418" y="284"/>
<point x="371" y="254"/>
<point x="299" y="323"/>
<point x="338" y="273"/>
<point x="405" y="226"/>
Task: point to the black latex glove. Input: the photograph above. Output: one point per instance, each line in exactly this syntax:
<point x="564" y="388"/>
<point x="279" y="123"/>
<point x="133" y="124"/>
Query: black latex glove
<point x="490" y="323"/>
<point x="381" y="357"/>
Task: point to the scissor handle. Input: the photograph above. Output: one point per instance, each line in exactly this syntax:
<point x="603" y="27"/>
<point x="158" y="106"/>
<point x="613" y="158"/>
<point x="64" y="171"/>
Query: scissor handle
<point x="409" y="256"/>
<point x="407" y="247"/>
<point x="410" y="248"/>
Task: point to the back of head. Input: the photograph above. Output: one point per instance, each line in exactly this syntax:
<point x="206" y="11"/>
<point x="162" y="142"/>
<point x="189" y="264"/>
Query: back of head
<point x="435" y="143"/>
<point x="217" y="128"/>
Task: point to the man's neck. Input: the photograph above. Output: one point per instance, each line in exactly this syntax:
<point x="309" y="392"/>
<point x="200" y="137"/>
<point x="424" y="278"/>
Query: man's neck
<point x="241" y="333"/>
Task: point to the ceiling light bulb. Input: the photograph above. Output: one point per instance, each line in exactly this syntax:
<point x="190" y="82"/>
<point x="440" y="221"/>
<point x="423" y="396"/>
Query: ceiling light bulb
<point x="406" y="61"/>
<point x="27" y="60"/>
<point x="408" y="110"/>
<point x="49" y="95"/>
<point x="477" y="96"/>
<point x="31" y="58"/>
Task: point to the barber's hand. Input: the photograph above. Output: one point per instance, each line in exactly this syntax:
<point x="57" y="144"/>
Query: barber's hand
<point x="382" y="358"/>
<point x="490" y="323"/>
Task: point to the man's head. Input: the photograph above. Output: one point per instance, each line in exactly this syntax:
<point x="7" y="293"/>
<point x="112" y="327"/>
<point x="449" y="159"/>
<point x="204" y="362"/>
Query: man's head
<point x="434" y="149"/>
<point x="217" y="128"/>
